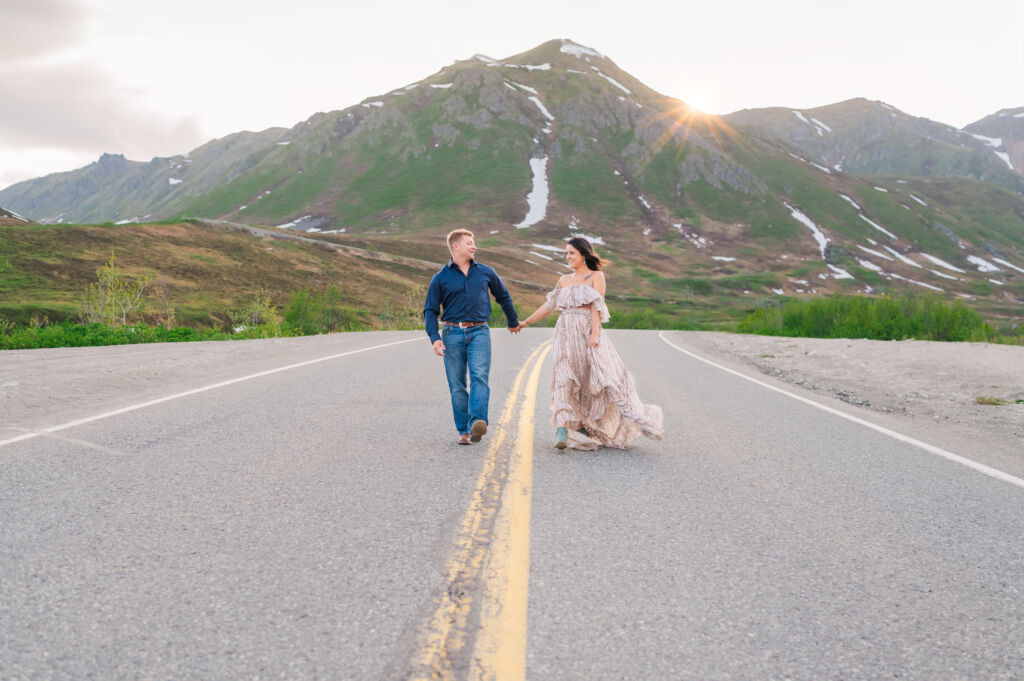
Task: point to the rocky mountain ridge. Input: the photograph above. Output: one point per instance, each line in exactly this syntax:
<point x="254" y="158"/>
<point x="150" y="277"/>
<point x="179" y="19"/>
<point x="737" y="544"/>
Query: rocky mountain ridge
<point x="1003" y="133"/>
<point x="871" y="138"/>
<point x="10" y="218"/>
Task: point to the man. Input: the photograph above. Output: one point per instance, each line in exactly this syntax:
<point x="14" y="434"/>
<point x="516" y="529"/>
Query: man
<point x="461" y="290"/>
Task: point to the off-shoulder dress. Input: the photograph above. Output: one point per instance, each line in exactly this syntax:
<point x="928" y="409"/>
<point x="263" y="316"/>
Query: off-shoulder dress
<point x="591" y="388"/>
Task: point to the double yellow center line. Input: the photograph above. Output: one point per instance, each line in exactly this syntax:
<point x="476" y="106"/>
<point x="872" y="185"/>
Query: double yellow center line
<point x="478" y="627"/>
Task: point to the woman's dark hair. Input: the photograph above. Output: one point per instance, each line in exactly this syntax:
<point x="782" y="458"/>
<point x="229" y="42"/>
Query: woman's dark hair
<point x="587" y="251"/>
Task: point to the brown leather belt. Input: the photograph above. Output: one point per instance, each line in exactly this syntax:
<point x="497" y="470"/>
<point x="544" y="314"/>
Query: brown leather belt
<point x="464" y="325"/>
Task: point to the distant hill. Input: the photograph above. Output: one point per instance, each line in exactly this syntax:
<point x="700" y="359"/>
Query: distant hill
<point x="870" y="138"/>
<point x="1003" y="133"/>
<point x="9" y="218"/>
<point x="114" y="189"/>
<point x="696" y="212"/>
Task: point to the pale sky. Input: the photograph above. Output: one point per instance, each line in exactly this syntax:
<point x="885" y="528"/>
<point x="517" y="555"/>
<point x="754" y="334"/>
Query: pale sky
<point x="82" y="77"/>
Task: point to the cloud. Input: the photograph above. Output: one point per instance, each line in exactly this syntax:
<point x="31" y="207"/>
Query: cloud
<point x="59" y="105"/>
<point x="77" y="107"/>
<point x="35" y="28"/>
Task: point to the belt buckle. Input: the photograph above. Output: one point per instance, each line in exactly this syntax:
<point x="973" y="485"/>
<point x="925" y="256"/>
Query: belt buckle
<point x="464" y="325"/>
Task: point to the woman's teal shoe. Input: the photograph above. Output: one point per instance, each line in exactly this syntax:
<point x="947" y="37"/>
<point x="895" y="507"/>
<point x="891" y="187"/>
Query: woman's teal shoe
<point x="561" y="437"/>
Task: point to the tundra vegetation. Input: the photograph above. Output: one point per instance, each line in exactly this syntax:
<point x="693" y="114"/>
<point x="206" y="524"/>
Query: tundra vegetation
<point x="115" y="308"/>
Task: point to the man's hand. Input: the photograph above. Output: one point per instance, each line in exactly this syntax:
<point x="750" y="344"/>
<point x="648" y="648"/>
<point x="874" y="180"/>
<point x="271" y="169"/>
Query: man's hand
<point x="439" y="347"/>
<point x="515" y="329"/>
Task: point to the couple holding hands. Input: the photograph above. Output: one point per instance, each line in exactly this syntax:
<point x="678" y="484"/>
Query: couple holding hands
<point x="593" y="395"/>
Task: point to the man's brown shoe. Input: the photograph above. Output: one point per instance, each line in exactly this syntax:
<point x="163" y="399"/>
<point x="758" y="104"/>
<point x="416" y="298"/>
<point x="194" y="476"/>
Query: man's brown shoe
<point x="479" y="429"/>
<point x="464" y="439"/>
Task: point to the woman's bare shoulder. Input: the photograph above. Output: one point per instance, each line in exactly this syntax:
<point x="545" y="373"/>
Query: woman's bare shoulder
<point x="562" y="280"/>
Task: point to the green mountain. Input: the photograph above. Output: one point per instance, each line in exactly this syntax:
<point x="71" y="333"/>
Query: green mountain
<point x="114" y="189"/>
<point x="869" y="138"/>
<point x="696" y="212"/>
<point x="1003" y="133"/>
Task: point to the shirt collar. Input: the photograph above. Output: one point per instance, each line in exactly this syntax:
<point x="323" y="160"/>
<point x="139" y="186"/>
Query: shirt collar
<point x="451" y="262"/>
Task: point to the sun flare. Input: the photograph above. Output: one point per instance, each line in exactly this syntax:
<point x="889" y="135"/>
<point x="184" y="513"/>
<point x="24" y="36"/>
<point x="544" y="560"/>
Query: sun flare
<point x="698" y="101"/>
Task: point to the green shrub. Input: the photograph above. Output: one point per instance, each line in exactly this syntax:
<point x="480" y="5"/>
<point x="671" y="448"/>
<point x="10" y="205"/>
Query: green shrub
<point x="923" y="317"/>
<point x="69" y="334"/>
<point x="308" y="313"/>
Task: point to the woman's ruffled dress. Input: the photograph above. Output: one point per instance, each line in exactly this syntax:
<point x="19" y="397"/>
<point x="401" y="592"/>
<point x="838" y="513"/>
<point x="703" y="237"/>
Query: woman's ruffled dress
<point x="591" y="388"/>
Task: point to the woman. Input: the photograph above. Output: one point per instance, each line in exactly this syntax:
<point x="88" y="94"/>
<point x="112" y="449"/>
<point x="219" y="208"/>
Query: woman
<point x="593" y="395"/>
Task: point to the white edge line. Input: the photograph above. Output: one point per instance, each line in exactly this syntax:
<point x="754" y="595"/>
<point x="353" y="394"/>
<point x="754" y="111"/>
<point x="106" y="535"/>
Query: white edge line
<point x="980" y="467"/>
<point x="194" y="391"/>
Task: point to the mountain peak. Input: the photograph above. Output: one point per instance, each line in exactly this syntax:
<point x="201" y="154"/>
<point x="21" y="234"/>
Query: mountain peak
<point x="560" y="53"/>
<point x="110" y="159"/>
<point x="581" y="51"/>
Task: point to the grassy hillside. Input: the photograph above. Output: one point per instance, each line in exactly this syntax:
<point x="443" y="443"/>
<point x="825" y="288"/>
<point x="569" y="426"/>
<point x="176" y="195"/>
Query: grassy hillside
<point x="208" y="272"/>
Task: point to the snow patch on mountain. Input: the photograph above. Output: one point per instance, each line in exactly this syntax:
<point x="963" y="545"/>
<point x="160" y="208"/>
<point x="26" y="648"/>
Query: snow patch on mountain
<point x="850" y="201"/>
<point x="840" y="273"/>
<point x="543" y="109"/>
<point x="877" y="254"/>
<point x="569" y="47"/>
<point x="817" y="122"/>
<point x="1010" y="265"/>
<point x="995" y="143"/>
<point x="982" y="264"/>
<point x="537" y="199"/>
<point x="614" y="82"/>
<point x="819" y="236"/>
<point x="696" y="240"/>
<point x="524" y="87"/>
<point x="594" y="240"/>
<point x="913" y="281"/>
<point x="294" y="223"/>
<point x="813" y="122"/>
<point x="877" y="226"/>
<point x="1006" y="158"/>
<point x="942" y="263"/>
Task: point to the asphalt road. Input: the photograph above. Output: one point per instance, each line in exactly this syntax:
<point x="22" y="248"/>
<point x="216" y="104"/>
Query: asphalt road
<point x="300" y="525"/>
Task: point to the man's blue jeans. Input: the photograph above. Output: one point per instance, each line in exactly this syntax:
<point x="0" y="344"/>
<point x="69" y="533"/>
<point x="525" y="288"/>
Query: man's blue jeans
<point x="468" y="349"/>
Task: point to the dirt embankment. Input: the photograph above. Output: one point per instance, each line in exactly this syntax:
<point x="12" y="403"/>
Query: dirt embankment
<point x="928" y="390"/>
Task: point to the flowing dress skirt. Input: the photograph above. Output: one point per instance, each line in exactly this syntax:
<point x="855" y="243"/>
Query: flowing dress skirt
<point x="591" y="388"/>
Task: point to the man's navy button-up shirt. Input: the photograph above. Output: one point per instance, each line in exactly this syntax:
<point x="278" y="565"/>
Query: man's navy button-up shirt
<point x="464" y="297"/>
